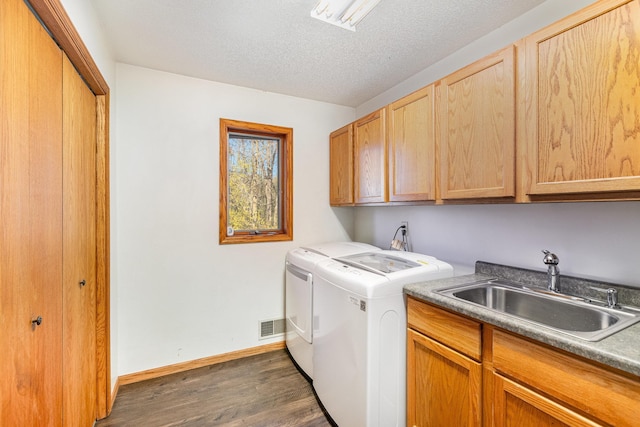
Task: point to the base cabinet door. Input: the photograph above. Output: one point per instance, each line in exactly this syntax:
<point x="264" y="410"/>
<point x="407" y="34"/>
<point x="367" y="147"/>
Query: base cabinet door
<point x="516" y="405"/>
<point x="443" y="386"/>
<point x="600" y="394"/>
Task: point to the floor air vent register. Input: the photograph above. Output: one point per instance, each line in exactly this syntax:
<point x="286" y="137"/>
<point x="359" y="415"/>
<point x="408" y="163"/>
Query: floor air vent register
<point x="270" y="328"/>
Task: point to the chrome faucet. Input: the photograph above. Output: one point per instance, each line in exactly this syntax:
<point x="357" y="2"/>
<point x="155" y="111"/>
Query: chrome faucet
<point x="553" y="273"/>
<point x="612" y="298"/>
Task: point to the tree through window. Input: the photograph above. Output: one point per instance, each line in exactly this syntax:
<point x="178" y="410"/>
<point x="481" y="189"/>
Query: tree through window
<point x="255" y="182"/>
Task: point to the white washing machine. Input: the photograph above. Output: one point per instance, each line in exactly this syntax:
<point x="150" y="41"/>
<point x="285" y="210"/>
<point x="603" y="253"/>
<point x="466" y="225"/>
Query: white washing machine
<point x="300" y="269"/>
<point x="359" y="348"/>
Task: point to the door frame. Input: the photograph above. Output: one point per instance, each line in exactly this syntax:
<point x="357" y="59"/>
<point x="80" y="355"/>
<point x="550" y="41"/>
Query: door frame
<point x="59" y="25"/>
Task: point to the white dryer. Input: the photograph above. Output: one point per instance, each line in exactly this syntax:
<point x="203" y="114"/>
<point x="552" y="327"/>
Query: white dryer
<point x="300" y="268"/>
<point x="359" y="348"/>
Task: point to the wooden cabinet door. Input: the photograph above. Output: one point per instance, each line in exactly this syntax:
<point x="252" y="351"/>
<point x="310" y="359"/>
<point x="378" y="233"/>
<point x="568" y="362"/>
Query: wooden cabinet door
<point x="341" y="166"/>
<point x="370" y="158"/>
<point x="30" y="220"/>
<point x="411" y="139"/>
<point x="582" y="83"/>
<point x="605" y="395"/>
<point x="443" y="386"/>
<point x="515" y="405"/>
<point x="79" y="268"/>
<point x="477" y="134"/>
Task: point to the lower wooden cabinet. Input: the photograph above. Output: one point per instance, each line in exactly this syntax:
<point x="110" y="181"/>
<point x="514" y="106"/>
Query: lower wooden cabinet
<point x="443" y="387"/>
<point x="515" y="381"/>
<point x="516" y="405"/>
<point x="603" y="396"/>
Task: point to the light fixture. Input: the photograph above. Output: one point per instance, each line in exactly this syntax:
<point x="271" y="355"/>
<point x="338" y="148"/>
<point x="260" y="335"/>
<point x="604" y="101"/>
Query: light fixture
<point x="343" y="13"/>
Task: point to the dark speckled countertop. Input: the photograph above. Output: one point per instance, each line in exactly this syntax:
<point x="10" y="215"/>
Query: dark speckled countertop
<point x="620" y="350"/>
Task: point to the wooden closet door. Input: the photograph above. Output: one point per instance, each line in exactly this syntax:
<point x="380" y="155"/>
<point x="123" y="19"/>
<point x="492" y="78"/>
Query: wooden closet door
<point x="30" y="220"/>
<point x="79" y="264"/>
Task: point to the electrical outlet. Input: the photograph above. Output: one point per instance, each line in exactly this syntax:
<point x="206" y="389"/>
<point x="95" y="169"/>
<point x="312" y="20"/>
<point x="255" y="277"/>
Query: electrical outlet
<point x="406" y="242"/>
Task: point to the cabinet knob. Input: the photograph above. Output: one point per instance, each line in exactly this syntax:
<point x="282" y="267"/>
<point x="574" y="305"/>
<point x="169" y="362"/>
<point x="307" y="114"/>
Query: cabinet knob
<point x="37" y="321"/>
<point x="83" y="282"/>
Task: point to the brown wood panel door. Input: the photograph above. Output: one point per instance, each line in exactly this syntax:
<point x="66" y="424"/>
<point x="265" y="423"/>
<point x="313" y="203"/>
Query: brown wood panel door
<point x="411" y="139"/>
<point x="370" y="158"/>
<point x="459" y="333"/>
<point x="341" y="166"/>
<point x="30" y="220"/>
<point x="515" y="405"/>
<point x="443" y="386"/>
<point x="477" y="129"/>
<point x="79" y="268"/>
<point x="582" y="85"/>
<point x="602" y="393"/>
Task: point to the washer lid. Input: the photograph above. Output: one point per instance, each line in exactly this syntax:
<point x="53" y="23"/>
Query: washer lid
<point x="336" y="249"/>
<point x="379" y="262"/>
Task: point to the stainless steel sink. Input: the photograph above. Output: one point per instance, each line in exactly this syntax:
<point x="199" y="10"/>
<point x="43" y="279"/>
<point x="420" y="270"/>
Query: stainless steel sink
<point x="570" y="315"/>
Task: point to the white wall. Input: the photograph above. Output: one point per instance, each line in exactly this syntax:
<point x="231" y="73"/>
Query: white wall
<point x="181" y="295"/>
<point x="85" y="20"/>
<point x="598" y="240"/>
<point x="594" y="240"/>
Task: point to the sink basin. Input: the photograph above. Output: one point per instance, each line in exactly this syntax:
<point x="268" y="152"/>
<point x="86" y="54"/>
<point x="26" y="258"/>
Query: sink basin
<point x="565" y="314"/>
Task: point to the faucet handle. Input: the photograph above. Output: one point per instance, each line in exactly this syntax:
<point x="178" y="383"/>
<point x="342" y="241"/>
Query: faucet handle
<point x="550" y="258"/>
<point x="612" y="296"/>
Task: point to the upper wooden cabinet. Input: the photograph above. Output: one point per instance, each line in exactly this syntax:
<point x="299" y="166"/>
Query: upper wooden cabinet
<point x="582" y="104"/>
<point x="411" y="140"/>
<point x="341" y="166"/>
<point x="477" y="129"/>
<point x="577" y="107"/>
<point x="370" y="158"/>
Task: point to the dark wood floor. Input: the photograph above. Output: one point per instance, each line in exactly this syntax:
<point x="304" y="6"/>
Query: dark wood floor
<point x="263" y="390"/>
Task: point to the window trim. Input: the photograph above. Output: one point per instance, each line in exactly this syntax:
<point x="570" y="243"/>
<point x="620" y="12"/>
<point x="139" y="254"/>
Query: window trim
<point x="285" y="233"/>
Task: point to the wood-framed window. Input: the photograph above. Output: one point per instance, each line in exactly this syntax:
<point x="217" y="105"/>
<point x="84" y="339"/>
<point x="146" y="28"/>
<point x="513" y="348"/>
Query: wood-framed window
<point x="256" y="182"/>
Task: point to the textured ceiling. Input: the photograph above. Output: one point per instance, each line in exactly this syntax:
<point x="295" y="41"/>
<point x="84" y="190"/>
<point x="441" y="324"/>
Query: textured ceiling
<point x="275" y="46"/>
